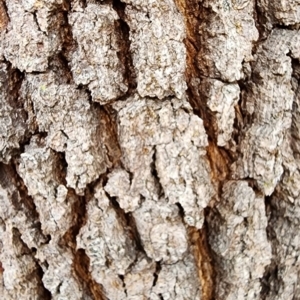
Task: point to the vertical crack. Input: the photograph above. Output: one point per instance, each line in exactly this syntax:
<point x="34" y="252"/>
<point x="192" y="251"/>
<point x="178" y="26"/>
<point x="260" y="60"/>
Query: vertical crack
<point x="124" y="284"/>
<point x="156" y="274"/>
<point x="204" y="259"/>
<point x="81" y="268"/>
<point x="124" y="43"/>
<point x="37" y="273"/>
<point x="270" y="282"/>
<point x="81" y="261"/>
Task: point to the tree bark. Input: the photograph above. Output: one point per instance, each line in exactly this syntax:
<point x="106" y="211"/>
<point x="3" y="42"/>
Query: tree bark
<point x="149" y="149"/>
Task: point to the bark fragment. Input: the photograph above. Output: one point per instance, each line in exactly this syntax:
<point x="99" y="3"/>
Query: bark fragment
<point x="95" y="61"/>
<point x="65" y="113"/>
<point x="221" y="99"/>
<point x="281" y="12"/>
<point x="272" y="73"/>
<point x="59" y="276"/>
<point x="40" y="167"/>
<point x="238" y="238"/>
<point x="170" y="133"/>
<point x="13" y="128"/>
<point x="107" y="243"/>
<point x="226" y="34"/>
<point x="32" y="37"/>
<point x="156" y="34"/>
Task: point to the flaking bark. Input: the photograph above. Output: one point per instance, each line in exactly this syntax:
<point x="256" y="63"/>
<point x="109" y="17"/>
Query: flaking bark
<point x="149" y="149"/>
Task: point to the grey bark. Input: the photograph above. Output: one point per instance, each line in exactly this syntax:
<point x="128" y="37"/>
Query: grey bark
<point x="149" y="149"/>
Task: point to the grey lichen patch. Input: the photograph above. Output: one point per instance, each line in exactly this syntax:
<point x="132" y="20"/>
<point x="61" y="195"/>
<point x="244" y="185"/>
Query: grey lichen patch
<point x="13" y="128"/>
<point x="224" y="25"/>
<point x="40" y="168"/>
<point x="107" y="243"/>
<point x="261" y="147"/>
<point x="72" y="124"/>
<point x="281" y="12"/>
<point x="156" y="36"/>
<point x="169" y="139"/>
<point x="30" y="41"/>
<point x="95" y="61"/>
<point x="238" y="238"/>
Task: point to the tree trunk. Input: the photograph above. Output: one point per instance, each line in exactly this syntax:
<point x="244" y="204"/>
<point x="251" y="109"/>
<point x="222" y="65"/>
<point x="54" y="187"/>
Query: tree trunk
<point x="149" y="149"/>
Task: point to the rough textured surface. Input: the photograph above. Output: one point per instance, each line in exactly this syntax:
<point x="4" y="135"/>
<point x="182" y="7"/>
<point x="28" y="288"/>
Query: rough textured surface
<point x="284" y="214"/>
<point x="272" y="73"/>
<point x="64" y="112"/>
<point x="167" y="139"/>
<point x="58" y="273"/>
<point x="227" y="35"/>
<point x="107" y="242"/>
<point x="280" y="11"/>
<point x="149" y="149"/>
<point x="221" y="98"/>
<point x="240" y="245"/>
<point x="156" y="44"/>
<point x="33" y="35"/>
<point x="95" y="61"/>
<point x="177" y="282"/>
<point x="12" y="115"/>
<point x="40" y="168"/>
<point x="21" y="274"/>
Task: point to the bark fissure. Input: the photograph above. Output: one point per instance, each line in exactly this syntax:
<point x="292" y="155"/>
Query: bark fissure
<point x="149" y="149"/>
<point x="124" y="43"/>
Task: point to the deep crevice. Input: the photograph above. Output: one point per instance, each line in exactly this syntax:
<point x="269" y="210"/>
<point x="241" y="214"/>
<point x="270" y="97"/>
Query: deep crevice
<point x="128" y="221"/>
<point x="81" y="268"/>
<point x="20" y="198"/>
<point x="124" y="43"/>
<point x="81" y="260"/>
<point x="37" y="273"/>
<point x="108" y="131"/>
<point x="260" y="24"/>
<point x="181" y="211"/>
<point x="270" y="282"/>
<point x="156" y="273"/>
<point x="60" y="62"/>
<point x="36" y="21"/>
<point x="80" y="214"/>
<point x="124" y="284"/>
<point x="134" y="233"/>
<point x="155" y="174"/>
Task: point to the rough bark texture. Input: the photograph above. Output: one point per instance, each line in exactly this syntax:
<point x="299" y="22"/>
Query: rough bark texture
<point x="149" y="149"/>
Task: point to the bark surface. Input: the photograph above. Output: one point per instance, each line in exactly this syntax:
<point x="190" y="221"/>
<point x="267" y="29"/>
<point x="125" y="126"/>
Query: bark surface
<point x="149" y="149"/>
